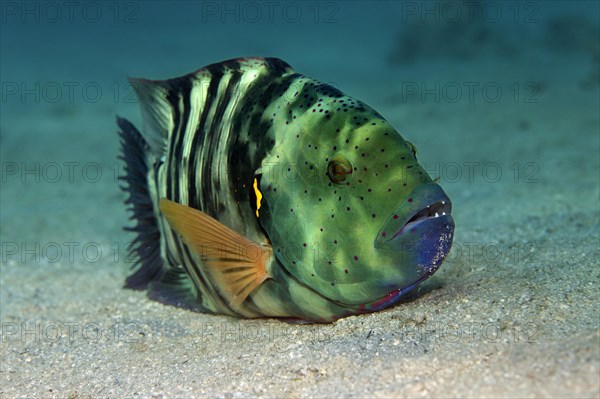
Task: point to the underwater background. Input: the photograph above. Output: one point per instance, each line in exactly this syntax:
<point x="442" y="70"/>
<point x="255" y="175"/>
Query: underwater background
<point x="502" y="100"/>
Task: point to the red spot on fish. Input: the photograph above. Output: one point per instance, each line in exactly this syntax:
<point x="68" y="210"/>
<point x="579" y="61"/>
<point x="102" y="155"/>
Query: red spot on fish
<point x="383" y="234"/>
<point x="355" y="257"/>
<point x="395" y="216"/>
<point x="410" y="200"/>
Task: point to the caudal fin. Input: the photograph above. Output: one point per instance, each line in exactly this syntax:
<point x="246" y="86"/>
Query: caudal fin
<point x="145" y="248"/>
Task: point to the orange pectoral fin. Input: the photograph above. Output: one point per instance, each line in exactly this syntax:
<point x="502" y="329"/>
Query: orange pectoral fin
<point x="237" y="264"/>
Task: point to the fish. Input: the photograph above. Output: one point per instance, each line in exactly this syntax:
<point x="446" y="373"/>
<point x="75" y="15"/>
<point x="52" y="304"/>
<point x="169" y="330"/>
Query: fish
<point x="259" y="192"/>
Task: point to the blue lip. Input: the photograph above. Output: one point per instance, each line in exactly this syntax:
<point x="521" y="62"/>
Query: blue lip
<point x="429" y="241"/>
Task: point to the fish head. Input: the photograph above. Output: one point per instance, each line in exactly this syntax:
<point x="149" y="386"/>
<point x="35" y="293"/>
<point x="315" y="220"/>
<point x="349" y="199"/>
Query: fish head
<point x="348" y="209"/>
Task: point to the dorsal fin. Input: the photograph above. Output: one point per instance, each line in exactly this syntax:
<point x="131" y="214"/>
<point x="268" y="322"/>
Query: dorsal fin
<point x="157" y="112"/>
<point x="237" y="264"/>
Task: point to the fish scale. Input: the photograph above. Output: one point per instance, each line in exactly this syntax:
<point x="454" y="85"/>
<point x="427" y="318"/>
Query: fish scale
<point x="273" y="193"/>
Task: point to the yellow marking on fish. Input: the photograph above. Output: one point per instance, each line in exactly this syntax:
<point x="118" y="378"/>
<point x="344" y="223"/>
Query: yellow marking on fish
<point x="258" y="195"/>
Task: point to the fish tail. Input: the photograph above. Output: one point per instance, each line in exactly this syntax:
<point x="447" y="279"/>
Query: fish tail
<point x="146" y="246"/>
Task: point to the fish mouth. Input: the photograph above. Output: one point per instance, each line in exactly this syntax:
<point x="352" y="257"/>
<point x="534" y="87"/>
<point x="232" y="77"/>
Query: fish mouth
<point x="426" y="206"/>
<point x="418" y="235"/>
<point x="432" y="211"/>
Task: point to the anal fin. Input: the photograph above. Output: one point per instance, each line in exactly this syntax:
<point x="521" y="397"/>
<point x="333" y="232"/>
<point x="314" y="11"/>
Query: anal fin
<point x="238" y="265"/>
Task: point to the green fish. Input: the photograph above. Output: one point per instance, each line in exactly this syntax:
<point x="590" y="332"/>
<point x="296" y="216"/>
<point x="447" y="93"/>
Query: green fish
<point x="260" y="192"/>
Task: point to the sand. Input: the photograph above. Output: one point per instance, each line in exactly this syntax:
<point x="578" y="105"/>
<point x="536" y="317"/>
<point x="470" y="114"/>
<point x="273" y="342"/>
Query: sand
<point x="514" y="310"/>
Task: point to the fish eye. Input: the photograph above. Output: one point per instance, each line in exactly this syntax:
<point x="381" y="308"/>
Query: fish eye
<point x="339" y="170"/>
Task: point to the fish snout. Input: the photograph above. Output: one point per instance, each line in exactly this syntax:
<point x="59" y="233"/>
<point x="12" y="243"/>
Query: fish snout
<point x="420" y="231"/>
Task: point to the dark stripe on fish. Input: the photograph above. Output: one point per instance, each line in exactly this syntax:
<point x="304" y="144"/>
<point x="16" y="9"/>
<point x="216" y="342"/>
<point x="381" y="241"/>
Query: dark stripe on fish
<point x="240" y="160"/>
<point x="277" y="66"/>
<point x="172" y="98"/>
<point x="199" y="136"/>
<point x="180" y="92"/>
<point x="211" y="182"/>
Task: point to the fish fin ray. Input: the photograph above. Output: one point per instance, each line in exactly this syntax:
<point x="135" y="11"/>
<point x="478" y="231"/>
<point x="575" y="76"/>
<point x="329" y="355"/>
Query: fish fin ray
<point x="235" y="276"/>
<point x="145" y="247"/>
